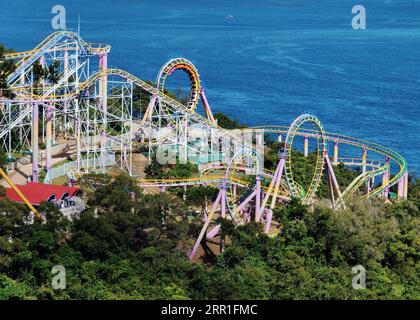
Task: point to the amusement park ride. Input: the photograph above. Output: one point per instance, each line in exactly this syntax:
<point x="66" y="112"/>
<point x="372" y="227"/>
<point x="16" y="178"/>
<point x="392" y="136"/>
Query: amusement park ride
<point x="93" y="104"/>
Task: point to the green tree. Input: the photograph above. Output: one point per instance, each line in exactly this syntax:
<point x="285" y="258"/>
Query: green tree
<point x="6" y="68"/>
<point x="226" y="122"/>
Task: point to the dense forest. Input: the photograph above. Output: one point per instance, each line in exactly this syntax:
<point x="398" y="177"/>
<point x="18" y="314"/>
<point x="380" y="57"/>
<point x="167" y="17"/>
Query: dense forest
<point x="132" y="245"/>
<point x="128" y="245"/>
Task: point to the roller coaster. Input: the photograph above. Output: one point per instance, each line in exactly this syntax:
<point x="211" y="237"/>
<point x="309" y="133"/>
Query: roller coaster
<point x="92" y="105"/>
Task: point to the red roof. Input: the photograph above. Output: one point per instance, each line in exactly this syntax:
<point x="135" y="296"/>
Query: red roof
<point x="38" y="192"/>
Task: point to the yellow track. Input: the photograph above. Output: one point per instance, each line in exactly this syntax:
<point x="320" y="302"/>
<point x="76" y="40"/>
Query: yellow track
<point x="19" y="193"/>
<point x="92" y="47"/>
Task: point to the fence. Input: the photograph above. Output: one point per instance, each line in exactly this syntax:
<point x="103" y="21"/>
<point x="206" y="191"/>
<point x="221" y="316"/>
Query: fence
<point x="69" y="167"/>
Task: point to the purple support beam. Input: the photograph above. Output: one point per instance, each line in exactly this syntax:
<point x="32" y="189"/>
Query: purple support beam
<point x="223" y="202"/>
<point x="149" y="111"/>
<point x="330" y="170"/>
<point x="305" y="147"/>
<point x="333" y="178"/>
<point x="371" y="182"/>
<point x="223" y="215"/>
<point x="364" y="155"/>
<point x="48" y="142"/>
<point x="277" y="184"/>
<point x="103" y="90"/>
<point x="385" y="179"/>
<point x="214" y="232"/>
<point x="268" y="219"/>
<point x="403" y="187"/>
<point x="274" y="185"/>
<point x="206" y="105"/>
<point x="206" y="225"/>
<point x="335" y="160"/>
<point x="401" y="183"/>
<point x="246" y="201"/>
<point x="258" y="211"/>
<point x="35" y="149"/>
<point x="330" y="187"/>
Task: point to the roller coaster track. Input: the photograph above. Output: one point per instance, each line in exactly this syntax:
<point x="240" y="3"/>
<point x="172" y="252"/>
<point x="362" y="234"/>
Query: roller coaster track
<point x="66" y="40"/>
<point x="177" y="105"/>
<point x="27" y="58"/>
<point x="30" y="97"/>
<point x="208" y="179"/>
<point x="202" y="180"/>
<point x="189" y="68"/>
<point x="295" y="188"/>
<point x="272" y="129"/>
<point x="26" y="96"/>
<point x="369" y="145"/>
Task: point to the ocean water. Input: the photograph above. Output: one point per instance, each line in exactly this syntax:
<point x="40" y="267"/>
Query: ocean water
<point x="269" y="62"/>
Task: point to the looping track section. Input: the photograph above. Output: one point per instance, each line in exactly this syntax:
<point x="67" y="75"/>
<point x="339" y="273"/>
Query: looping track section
<point x="295" y="188"/>
<point x="186" y="66"/>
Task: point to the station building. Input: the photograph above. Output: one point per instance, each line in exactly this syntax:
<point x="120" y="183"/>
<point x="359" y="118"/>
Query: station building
<point x="67" y="199"/>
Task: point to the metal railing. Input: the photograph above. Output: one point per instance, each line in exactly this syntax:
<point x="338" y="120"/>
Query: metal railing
<point x="70" y="167"/>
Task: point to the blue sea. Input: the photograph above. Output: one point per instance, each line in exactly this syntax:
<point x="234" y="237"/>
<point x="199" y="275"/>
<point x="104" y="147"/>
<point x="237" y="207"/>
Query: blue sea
<point x="263" y="62"/>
